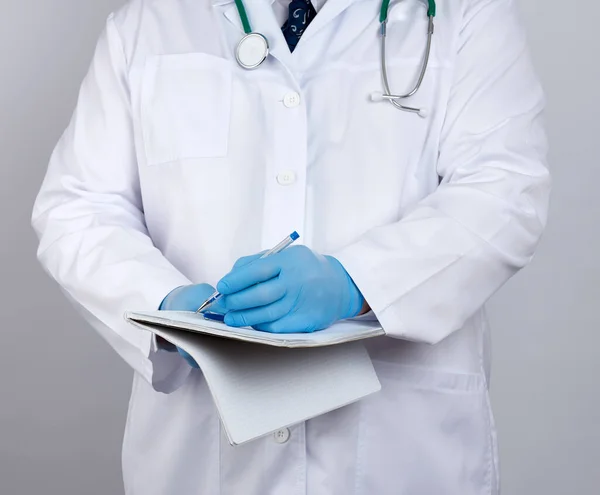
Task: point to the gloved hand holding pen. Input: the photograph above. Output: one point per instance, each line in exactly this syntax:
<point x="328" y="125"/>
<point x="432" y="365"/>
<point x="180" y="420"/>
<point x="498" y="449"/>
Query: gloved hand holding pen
<point x="296" y="290"/>
<point x="186" y="298"/>
<point x="282" y="290"/>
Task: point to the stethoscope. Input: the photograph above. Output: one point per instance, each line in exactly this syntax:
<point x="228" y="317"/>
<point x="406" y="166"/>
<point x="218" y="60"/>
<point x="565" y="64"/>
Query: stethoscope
<point x="253" y="49"/>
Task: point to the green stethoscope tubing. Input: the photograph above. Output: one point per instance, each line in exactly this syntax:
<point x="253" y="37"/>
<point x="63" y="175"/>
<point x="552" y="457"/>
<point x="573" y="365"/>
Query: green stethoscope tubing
<point x="385" y="5"/>
<point x="383" y="15"/>
<point x="243" y="16"/>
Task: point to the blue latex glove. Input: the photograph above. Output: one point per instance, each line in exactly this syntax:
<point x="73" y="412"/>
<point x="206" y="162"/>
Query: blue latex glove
<point x="189" y="298"/>
<point x="296" y="290"/>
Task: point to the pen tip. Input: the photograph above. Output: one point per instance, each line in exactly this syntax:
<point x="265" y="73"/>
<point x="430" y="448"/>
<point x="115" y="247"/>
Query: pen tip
<point x="294" y="235"/>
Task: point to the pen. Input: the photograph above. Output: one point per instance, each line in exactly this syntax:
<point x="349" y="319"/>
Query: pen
<point x="277" y="249"/>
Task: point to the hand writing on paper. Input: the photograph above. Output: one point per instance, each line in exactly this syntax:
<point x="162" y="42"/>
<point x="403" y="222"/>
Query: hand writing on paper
<point x="296" y="290"/>
<point x="189" y="298"/>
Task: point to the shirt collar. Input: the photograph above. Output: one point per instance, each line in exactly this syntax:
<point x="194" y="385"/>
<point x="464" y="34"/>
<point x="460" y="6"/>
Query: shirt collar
<point x="226" y="2"/>
<point x="316" y="3"/>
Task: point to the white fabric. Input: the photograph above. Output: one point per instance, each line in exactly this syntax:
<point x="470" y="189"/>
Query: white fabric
<point x="168" y="173"/>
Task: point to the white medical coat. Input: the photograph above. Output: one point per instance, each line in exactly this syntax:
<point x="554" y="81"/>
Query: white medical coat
<point x="177" y="162"/>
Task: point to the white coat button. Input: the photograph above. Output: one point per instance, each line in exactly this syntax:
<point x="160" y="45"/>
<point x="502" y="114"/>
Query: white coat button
<point x="286" y="177"/>
<point x="291" y="100"/>
<point x="282" y="436"/>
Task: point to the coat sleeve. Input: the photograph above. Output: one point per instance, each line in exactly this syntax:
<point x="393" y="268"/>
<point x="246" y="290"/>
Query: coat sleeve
<point x="90" y="221"/>
<point x="425" y="275"/>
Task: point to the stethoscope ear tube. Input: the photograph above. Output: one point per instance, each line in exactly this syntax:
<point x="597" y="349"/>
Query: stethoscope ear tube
<point x="388" y="95"/>
<point x="378" y="96"/>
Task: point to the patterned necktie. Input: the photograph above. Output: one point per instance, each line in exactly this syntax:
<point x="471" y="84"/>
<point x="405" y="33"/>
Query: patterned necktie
<point x="301" y="13"/>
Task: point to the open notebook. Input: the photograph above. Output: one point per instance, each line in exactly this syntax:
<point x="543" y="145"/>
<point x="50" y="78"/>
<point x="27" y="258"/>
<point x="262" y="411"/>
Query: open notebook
<point x="262" y="382"/>
<point x="343" y="331"/>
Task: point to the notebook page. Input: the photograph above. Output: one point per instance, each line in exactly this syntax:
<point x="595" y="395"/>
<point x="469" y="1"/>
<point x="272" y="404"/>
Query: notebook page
<point x="259" y="389"/>
<point x="343" y="331"/>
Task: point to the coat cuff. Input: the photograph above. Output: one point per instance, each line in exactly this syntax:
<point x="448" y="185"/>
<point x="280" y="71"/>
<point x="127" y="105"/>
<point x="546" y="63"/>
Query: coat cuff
<point x="352" y="259"/>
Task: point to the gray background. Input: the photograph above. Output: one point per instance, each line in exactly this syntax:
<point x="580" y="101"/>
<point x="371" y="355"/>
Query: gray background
<point x="64" y="393"/>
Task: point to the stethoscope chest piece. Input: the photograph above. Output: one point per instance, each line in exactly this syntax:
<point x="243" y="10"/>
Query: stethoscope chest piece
<point x="252" y="50"/>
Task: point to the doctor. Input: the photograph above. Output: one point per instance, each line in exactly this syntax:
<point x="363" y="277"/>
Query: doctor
<point x="178" y="162"/>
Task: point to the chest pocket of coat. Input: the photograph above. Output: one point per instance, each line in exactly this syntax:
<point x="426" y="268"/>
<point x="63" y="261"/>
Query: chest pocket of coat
<point x="185" y="107"/>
